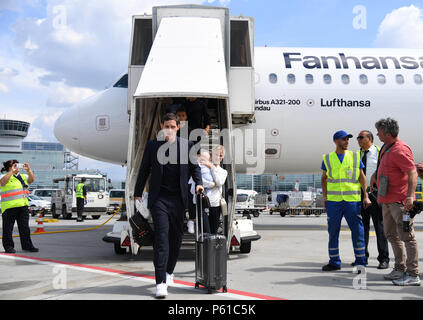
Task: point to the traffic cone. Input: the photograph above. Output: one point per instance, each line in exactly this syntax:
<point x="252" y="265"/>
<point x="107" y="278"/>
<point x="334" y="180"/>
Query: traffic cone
<point x="40" y="225"/>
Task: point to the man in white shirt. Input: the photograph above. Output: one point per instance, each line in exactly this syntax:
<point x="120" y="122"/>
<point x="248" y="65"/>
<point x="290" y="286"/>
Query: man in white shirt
<point x="369" y="157"/>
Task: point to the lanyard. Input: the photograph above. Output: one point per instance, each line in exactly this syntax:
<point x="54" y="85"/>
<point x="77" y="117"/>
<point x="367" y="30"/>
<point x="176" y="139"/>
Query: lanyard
<point x="382" y="154"/>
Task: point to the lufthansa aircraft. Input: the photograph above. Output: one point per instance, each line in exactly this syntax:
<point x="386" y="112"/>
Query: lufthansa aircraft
<point x="302" y="96"/>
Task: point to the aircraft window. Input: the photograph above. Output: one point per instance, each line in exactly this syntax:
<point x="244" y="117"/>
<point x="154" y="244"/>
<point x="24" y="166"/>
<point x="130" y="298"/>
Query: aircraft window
<point x="273" y="78"/>
<point x="122" y="82"/>
<point x="400" y="78"/>
<point x="381" y="79"/>
<point x="345" y="79"/>
<point x="291" y="78"/>
<point x="418" y="79"/>
<point x="309" y="78"/>
<point x="363" y="79"/>
<point x="327" y="79"/>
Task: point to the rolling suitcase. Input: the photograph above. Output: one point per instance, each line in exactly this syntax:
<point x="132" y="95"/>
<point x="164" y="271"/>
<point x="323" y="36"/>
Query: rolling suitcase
<point x="210" y="255"/>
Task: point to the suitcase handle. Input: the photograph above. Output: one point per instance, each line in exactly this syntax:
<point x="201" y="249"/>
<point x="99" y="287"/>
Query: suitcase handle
<point x="199" y="216"/>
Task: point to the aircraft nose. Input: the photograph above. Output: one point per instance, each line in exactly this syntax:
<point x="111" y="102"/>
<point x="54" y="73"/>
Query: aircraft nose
<point x="67" y="129"/>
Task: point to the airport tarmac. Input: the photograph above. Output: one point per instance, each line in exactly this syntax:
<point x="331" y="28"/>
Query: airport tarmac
<point x="284" y="264"/>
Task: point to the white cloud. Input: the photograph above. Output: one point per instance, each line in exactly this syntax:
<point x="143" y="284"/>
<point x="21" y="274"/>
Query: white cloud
<point x="17" y="74"/>
<point x="68" y="36"/>
<point x="7" y="72"/>
<point x="64" y="96"/>
<point x="85" y="44"/>
<point x="402" y="28"/>
<point x="3" y="88"/>
<point x="30" y="45"/>
<point x="34" y="135"/>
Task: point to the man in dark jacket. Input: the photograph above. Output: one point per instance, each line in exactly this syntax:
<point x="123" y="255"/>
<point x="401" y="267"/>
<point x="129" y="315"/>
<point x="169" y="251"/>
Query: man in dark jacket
<point x="198" y="117"/>
<point x="170" y="167"/>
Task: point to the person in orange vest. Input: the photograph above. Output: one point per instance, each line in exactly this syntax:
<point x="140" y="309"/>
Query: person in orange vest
<point x="14" y="204"/>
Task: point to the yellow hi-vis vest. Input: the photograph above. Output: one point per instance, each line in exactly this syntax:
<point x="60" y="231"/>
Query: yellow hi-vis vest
<point x="80" y="190"/>
<point x="13" y="195"/>
<point x="343" y="178"/>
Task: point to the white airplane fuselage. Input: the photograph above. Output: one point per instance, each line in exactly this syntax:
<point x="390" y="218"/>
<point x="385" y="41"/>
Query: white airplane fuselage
<point x="299" y="116"/>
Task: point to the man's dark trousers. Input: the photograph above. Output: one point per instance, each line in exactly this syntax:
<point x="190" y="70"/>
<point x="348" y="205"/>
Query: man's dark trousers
<point x="80" y="207"/>
<point x="168" y="218"/>
<point x="375" y="212"/>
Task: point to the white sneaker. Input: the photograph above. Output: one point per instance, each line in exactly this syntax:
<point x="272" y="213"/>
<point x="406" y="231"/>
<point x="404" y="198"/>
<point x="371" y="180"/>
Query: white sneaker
<point x="407" y="280"/>
<point x="169" y="279"/>
<point x="161" y="290"/>
<point x="190" y="226"/>
<point x="394" y="275"/>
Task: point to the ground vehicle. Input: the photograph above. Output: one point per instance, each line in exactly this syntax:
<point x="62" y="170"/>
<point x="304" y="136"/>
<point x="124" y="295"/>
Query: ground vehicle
<point x="44" y="194"/>
<point x="298" y="202"/>
<point x="64" y="200"/>
<point x="116" y="199"/>
<point x="38" y="205"/>
<point x="246" y="203"/>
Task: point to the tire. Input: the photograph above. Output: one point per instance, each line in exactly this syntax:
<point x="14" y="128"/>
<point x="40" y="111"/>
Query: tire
<point x="256" y="214"/>
<point x="245" y="247"/>
<point x="283" y="214"/>
<point x="66" y="215"/>
<point x="96" y="217"/>
<point x="53" y="211"/>
<point x="118" y="249"/>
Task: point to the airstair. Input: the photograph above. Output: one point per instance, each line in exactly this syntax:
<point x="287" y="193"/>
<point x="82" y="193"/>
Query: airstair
<point x="189" y="51"/>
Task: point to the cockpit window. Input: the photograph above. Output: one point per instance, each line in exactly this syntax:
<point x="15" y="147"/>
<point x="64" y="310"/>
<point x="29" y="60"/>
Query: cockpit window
<point x="122" y="83"/>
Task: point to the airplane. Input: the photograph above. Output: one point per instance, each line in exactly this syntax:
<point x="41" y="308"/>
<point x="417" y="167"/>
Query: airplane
<point x="303" y="96"/>
<point x="274" y="109"/>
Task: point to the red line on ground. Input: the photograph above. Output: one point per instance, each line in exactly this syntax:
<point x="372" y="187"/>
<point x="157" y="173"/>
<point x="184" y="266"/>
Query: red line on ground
<point x="138" y="275"/>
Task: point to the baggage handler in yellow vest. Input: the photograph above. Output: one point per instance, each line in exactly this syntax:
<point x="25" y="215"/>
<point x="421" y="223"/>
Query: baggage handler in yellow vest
<point x="342" y="181"/>
<point x="14" y="205"/>
<point x="81" y="197"/>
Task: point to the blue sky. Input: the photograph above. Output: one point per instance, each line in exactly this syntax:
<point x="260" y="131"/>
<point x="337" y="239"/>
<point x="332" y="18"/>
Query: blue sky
<point x="45" y="70"/>
<point x="315" y="23"/>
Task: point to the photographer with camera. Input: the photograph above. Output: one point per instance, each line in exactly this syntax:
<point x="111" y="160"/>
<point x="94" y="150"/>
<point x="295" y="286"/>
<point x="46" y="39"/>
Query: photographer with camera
<point x="14" y="204"/>
<point x="396" y="178"/>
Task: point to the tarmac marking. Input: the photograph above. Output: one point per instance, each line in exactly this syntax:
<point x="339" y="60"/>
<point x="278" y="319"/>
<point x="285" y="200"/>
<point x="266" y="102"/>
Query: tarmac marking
<point x="235" y="294"/>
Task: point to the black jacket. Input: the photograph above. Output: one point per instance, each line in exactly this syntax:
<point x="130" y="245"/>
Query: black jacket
<point x="150" y="164"/>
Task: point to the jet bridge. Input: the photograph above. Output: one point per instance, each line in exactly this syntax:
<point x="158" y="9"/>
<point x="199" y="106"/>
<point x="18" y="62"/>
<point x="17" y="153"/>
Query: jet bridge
<point x="189" y="51"/>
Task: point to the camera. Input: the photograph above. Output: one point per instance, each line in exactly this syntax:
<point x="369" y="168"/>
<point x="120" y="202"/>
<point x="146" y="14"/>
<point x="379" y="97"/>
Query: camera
<point x="20" y="166"/>
<point x="417" y="208"/>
